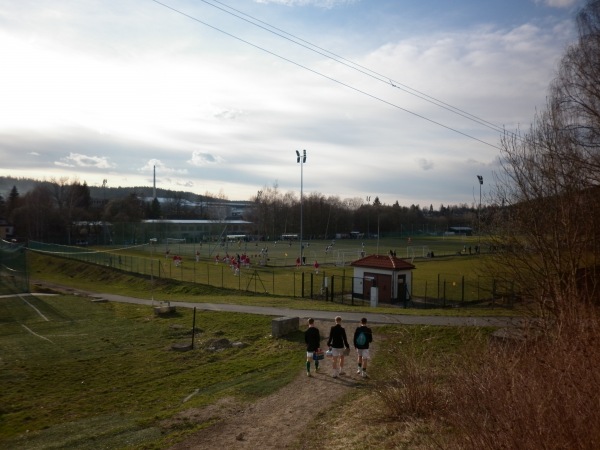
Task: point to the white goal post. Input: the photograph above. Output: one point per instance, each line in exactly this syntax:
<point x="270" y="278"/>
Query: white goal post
<point x="346" y="257"/>
<point x="415" y="251"/>
<point x="175" y="241"/>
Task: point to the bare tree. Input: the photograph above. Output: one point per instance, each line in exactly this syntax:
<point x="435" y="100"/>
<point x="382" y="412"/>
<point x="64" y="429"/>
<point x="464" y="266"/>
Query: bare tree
<point x="547" y="195"/>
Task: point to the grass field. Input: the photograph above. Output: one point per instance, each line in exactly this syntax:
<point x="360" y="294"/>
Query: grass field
<point x="82" y="275"/>
<point x="87" y="375"/>
<point x="443" y="280"/>
<point x="82" y="374"/>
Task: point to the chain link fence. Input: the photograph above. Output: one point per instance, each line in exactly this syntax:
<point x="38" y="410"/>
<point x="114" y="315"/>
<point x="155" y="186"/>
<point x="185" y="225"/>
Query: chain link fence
<point x="333" y="283"/>
<point x="13" y="268"/>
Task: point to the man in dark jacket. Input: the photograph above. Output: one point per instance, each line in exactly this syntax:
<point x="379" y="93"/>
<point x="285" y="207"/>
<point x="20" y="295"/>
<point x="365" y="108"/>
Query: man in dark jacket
<point x="337" y="342"/>
<point x="312" y="337"/>
<point x="363" y="336"/>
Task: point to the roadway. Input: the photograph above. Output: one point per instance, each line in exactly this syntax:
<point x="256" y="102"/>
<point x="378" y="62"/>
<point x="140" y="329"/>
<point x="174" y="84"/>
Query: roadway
<point x="373" y="318"/>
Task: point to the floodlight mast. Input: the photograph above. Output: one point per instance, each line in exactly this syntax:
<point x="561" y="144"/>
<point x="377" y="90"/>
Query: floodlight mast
<point x="153" y="242"/>
<point x="480" y="178"/>
<point x="301" y="159"/>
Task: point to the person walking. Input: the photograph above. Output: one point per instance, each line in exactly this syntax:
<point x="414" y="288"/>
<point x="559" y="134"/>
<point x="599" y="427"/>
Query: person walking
<point x="312" y="338"/>
<point x="337" y="342"/>
<point x="363" y="336"/>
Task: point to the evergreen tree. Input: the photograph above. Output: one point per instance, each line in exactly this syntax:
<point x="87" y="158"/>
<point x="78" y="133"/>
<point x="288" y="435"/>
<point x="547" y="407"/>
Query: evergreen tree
<point x="13" y="200"/>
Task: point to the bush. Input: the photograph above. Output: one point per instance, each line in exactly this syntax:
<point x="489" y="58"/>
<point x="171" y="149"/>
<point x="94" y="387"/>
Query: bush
<point x="540" y="393"/>
<point x="413" y="382"/>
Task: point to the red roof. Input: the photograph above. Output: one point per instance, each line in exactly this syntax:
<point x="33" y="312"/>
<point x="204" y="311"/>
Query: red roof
<point x="383" y="262"/>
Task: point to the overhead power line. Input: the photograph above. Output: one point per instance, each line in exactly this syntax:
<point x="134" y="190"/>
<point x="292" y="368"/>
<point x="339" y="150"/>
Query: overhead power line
<point x="351" y="64"/>
<point x="389" y="81"/>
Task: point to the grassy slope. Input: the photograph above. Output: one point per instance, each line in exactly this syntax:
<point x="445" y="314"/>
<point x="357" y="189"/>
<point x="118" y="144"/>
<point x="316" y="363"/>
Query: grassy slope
<point x="108" y="369"/>
<point x="84" y="374"/>
<point x="99" y="279"/>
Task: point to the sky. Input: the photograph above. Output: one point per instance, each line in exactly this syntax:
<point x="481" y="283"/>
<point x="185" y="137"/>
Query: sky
<point x="395" y="99"/>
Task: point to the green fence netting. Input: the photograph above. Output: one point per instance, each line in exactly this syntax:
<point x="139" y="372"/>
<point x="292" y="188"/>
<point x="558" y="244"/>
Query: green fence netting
<point x="13" y="268"/>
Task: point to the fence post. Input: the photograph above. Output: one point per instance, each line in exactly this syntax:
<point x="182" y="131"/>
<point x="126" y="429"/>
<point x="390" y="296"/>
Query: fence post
<point x="332" y="277"/>
<point x="463" y="290"/>
<point x="344" y="288"/>
<point x="302" y="285"/>
<point x="444" y="293"/>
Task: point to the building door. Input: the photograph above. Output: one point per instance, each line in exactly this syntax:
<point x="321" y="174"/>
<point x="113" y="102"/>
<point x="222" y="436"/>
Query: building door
<point x="401" y="292"/>
<point x="382" y="282"/>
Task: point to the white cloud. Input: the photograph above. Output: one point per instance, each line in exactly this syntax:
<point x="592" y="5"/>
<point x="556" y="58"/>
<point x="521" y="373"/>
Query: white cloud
<point x="557" y="3"/>
<point x="78" y="160"/>
<point x="230" y="114"/>
<point x="425" y="164"/>
<point x="160" y="168"/>
<point x="200" y="159"/>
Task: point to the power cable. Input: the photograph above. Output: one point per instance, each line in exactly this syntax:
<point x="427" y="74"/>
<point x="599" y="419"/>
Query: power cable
<point x="355" y="66"/>
<point x="324" y="75"/>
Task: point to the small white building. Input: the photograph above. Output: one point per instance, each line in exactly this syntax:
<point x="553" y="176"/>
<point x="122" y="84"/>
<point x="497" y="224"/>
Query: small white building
<point x="391" y="276"/>
<point x="6" y="230"/>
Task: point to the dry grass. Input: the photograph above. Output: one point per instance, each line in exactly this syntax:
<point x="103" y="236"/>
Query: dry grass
<point x="417" y="363"/>
<point x="537" y="393"/>
<point x="360" y="422"/>
<point x="541" y="393"/>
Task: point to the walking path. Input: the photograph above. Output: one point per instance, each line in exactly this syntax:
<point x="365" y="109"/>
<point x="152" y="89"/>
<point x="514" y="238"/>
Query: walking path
<point x="374" y="318"/>
<point x="282" y="419"/>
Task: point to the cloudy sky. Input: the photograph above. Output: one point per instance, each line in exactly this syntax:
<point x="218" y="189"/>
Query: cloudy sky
<point x="396" y="99"/>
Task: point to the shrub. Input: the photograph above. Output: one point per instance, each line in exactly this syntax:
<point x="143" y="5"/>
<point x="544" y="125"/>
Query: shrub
<point x="412" y="383"/>
<point x="540" y="393"/>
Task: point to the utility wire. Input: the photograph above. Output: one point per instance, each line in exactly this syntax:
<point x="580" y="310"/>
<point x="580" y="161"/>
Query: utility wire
<point x="353" y="65"/>
<point x="324" y="75"/>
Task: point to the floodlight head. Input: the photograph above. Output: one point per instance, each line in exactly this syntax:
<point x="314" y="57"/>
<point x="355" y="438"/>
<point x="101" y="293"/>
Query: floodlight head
<point x="297" y="156"/>
<point x="480" y="178"/>
<point x="304" y="157"/>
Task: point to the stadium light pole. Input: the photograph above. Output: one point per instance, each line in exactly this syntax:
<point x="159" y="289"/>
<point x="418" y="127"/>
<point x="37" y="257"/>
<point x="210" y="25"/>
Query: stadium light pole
<point x="368" y="198"/>
<point x="301" y="159"/>
<point x="480" y="178"/>
<point x="153" y="242"/>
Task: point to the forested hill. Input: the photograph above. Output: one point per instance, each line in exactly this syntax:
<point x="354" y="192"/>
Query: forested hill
<point x="25" y="185"/>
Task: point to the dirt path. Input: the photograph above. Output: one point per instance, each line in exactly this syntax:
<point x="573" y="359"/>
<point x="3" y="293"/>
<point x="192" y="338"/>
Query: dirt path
<point x="279" y="420"/>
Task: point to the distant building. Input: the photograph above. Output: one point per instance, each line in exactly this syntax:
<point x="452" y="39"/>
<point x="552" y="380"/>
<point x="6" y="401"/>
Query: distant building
<point x="391" y="275"/>
<point x="466" y="231"/>
<point x="6" y="230"/>
<point x="195" y="230"/>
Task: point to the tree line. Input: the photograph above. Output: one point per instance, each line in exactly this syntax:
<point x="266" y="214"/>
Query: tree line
<point x="53" y="211"/>
<point x="275" y="213"/>
<point x="550" y="186"/>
